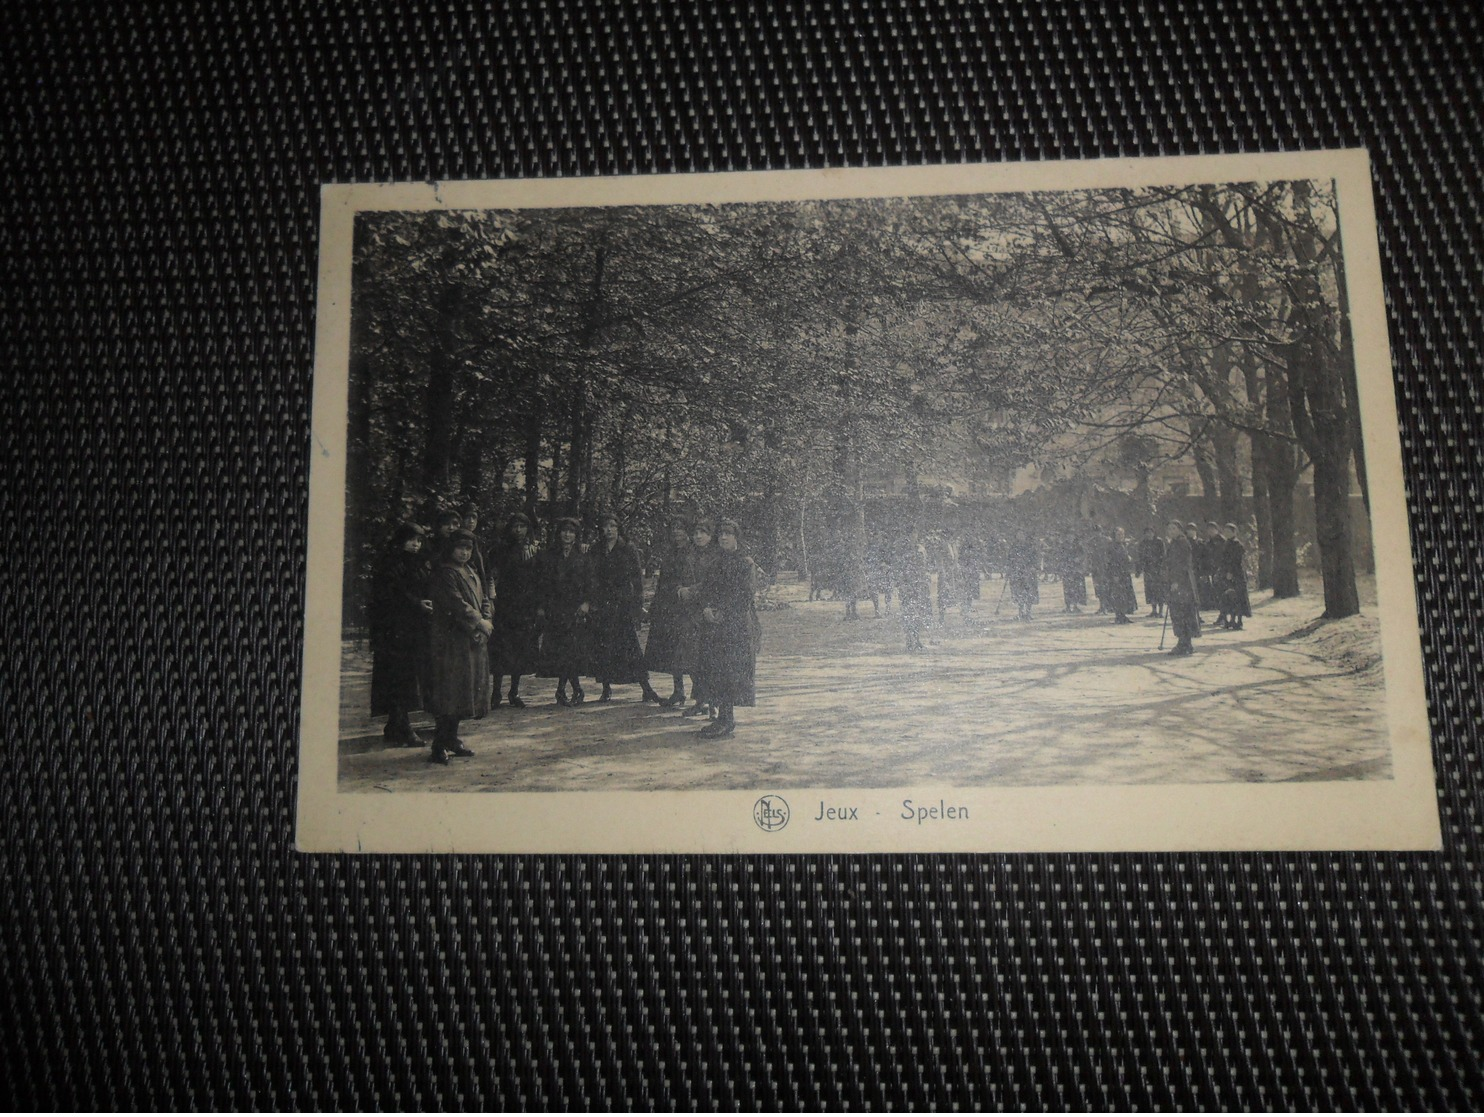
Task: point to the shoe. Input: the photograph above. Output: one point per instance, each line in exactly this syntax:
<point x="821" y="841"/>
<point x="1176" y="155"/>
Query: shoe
<point x="562" y="699"/>
<point x="578" y="695"/>
<point x="437" y="755"/>
<point x="459" y="750"/>
<point x="414" y="740"/>
<point x="1178" y="650"/>
<point x="607" y="695"/>
<point x="516" y="702"/>
<point x="651" y="696"/>
<point x="676" y="699"/>
<point x="724" y="729"/>
<point x="709" y="731"/>
<point x="495" y="701"/>
<point x="696" y="711"/>
<point x="1121" y="619"/>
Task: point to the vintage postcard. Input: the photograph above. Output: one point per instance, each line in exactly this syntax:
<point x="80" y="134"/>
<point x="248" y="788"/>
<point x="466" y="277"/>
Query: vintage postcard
<point x="1039" y="507"/>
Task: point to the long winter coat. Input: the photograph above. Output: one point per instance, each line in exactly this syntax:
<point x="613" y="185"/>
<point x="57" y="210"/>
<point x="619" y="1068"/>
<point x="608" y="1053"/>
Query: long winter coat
<point x="692" y="634"/>
<point x="1234" y="599"/>
<point x="1182" y="598"/>
<point x="730" y="648"/>
<point x="667" y="616"/>
<point x="1073" y="572"/>
<point x="458" y="667"/>
<point x="616" y="601"/>
<point x="1025" y="573"/>
<point x="1118" y="579"/>
<point x="399" y="632"/>
<point x="1206" y="560"/>
<point x="563" y="586"/>
<point x="516" y="571"/>
<point x="1152" y="565"/>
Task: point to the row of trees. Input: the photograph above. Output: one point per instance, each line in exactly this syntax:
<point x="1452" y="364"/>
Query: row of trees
<point x="763" y="358"/>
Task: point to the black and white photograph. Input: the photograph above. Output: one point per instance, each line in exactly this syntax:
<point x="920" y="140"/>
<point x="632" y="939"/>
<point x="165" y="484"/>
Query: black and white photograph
<point x="1068" y="486"/>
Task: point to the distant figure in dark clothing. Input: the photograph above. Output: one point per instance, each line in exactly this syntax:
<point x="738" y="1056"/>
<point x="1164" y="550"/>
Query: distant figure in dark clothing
<point x="667" y="620"/>
<point x="1235" y="604"/>
<point x="704" y="555"/>
<point x="732" y="635"/>
<point x="1072" y="566"/>
<point x="616" y="611"/>
<point x="515" y="573"/>
<point x="1152" y="567"/>
<point x="563" y="613"/>
<point x="1097" y="557"/>
<point x="1180" y="595"/>
<point x="1118" y="578"/>
<point x="1208" y="567"/>
<point x="400" y="609"/>
<point x="1024" y="563"/>
<point x="879" y="577"/>
<point x="459" y="668"/>
<point x="914" y="590"/>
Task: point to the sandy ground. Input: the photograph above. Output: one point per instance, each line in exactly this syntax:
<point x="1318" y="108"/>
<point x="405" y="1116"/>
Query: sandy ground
<point x="1064" y="699"/>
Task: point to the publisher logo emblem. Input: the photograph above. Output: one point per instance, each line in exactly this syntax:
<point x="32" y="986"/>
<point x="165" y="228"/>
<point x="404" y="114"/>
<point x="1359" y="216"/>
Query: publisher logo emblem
<point x="770" y="813"/>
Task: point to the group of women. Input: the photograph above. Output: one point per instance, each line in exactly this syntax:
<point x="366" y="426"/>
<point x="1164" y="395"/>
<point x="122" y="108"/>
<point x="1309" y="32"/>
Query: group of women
<point x="448" y="624"/>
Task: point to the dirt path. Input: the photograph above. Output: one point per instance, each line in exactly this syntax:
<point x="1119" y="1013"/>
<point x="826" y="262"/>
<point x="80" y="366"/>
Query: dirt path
<point x="1061" y="700"/>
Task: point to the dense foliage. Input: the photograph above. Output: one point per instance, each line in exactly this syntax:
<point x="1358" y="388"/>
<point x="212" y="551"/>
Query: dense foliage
<point x="769" y="360"/>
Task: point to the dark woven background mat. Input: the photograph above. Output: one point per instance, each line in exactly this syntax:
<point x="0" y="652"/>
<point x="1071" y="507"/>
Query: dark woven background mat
<point x="164" y="946"/>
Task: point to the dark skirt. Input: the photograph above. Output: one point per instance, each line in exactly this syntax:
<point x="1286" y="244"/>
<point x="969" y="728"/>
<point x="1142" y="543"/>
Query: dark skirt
<point x="666" y="649"/>
<point x="562" y="651"/>
<point x="1025" y="587"/>
<point x="1235" y="602"/>
<point x="516" y="645"/>
<point x="1073" y="588"/>
<point x="394" y="678"/>
<point x="1120" y="591"/>
<point x="1155" y="585"/>
<point x="728" y="663"/>
<point x="615" y="652"/>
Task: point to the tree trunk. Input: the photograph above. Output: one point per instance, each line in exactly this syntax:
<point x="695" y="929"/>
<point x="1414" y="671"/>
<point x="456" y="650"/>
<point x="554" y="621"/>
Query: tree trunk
<point x="1228" y="478"/>
<point x="533" y="463"/>
<point x="471" y="466"/>
<point x="1332" y="529"/>
<point x="1282" y="477"/>
<point x="442" y="368"/>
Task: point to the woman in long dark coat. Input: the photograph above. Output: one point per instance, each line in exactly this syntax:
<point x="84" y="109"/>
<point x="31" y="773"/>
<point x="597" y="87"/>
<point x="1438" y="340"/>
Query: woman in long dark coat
<point x="704" y="554"/>
<point x="1152" y="566"/>
<point x="666" y="648"/>
<point x="616" y="610"/>
<point x="733" y="635"/>
<point x="1118" y="578"/>
<point x="914" y="590"/>
<point x="1235" y="603"/>
<point x="515" y="569"/>
<point x="459" y="667"/>
<point x="1024" y="573"/>
<point x="563" y="614"/>
<point x="399" y="634"/>
<point x="1073" y="572"/>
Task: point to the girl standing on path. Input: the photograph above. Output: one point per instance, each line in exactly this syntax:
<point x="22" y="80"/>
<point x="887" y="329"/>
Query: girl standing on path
<point x="666" y="648"/>
<point x="733" y="635"/>
<point x="399" y="634"/>
<point x="459" y="649"/>
<point x="563" y="581"/>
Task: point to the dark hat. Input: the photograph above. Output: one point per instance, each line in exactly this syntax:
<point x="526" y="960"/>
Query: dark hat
<point x="518" y="518"/>
<point x="460" y="536"/>
<point x="448" y="514"/>
<point x="706" y="524"/>
<point x="728" y="526"/>
<point x="607" y="518"/>
<point x="564" y="522"/>
<point x="468" y="509"/>
<point x="681" y="522"/>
